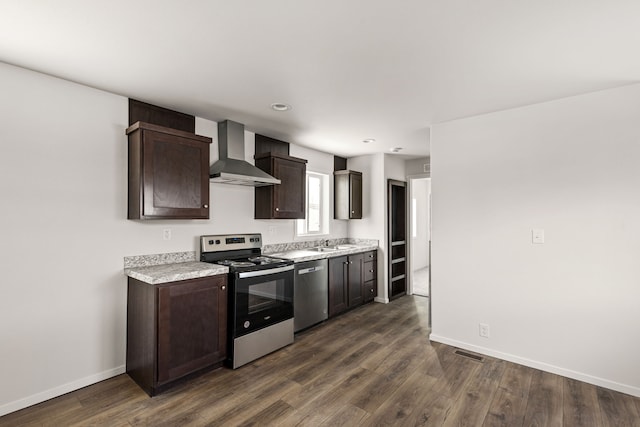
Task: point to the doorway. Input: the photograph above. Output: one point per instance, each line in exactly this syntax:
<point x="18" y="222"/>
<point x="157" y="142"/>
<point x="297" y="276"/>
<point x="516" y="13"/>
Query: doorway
<point x="397" y="240"/>
<point x="420" y="235"/>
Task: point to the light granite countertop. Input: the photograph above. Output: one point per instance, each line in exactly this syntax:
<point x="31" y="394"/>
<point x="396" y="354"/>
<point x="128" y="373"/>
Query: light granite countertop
<point x="164" y="273"/>
<point x="301" y="255"/>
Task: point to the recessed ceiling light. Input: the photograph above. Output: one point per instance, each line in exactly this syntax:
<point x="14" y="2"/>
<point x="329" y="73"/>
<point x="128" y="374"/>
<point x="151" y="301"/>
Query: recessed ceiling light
<point x="395" y="149"/>
<point x="368" y="140"/>
<point x="279" y="106"/>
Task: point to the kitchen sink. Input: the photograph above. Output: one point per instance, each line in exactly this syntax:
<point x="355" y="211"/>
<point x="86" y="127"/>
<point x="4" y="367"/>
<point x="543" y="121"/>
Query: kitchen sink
<point x="324" y="249"/>
<point x="331" y="248"/>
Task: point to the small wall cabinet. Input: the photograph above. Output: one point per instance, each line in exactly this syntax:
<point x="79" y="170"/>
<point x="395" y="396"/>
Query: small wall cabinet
<point x="286" y="200"/>
<point x="175" y="330"/>
<point x="347" y="185"/>
<point x="168" y="173"/>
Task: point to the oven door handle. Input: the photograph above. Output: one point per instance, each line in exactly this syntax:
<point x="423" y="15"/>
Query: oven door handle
<point x="265" y="272"/>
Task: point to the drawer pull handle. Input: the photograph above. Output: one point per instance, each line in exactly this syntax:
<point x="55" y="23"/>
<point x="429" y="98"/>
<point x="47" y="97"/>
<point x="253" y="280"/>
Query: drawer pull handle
<point x="223" y="287"/>
<point x="205" y="206"/>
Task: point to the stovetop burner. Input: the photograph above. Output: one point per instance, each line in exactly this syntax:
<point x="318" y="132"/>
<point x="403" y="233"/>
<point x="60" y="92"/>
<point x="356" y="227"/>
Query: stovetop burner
<point x="231" y="263"/>
<point x="239" y="252"/>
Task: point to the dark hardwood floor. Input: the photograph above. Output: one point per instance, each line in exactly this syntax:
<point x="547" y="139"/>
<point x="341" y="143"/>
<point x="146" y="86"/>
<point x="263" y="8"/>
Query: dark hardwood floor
<point x="371" y="366"/>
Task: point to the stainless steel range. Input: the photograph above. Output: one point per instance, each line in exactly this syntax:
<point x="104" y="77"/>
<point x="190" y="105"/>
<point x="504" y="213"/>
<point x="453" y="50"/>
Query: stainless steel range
<point x="260" y="295"/>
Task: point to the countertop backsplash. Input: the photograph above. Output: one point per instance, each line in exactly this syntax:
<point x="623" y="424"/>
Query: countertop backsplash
<point x="294" y="246"/>
<point x="158" y="259"/>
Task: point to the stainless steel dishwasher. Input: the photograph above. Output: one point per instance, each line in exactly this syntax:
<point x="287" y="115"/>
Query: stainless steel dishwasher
<point x="310" y="293"/>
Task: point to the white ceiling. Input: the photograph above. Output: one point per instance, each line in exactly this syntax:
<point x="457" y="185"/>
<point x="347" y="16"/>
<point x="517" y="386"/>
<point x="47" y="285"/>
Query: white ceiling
<point x="351" y="69"/>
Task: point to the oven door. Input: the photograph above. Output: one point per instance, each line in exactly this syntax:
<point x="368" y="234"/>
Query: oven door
<point x="262" y="298"/>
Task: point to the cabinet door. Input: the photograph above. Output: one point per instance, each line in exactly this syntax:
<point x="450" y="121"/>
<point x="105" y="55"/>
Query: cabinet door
<point x="356" y="265"/>
<point x="289" y="197"/>
<point x="286" y="200"/>
<point x="192" y="318"/>
<point x="355" y="196"/>
<point x="338" y="279"/>
<point x="176" y="176"/>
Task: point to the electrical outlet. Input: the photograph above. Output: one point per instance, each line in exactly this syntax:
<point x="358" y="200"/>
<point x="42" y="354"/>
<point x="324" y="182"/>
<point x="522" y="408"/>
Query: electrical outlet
<point x="166" y="234"/>
<point x="483" y="330"/>
<point x="537" y="236"/>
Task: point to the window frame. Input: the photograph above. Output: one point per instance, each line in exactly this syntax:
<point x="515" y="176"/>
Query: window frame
<point x="302" y="225"/>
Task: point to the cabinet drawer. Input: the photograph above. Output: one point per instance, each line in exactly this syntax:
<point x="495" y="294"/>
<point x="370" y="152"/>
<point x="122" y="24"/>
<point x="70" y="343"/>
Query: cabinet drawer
<point x="370" y="290"/>
<point x="369" y="271"/>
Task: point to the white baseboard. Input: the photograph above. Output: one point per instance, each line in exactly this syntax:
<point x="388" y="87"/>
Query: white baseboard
<point x="612" y="385"/>
<point x="382" y="300"/>
<point x="25" y="402"/>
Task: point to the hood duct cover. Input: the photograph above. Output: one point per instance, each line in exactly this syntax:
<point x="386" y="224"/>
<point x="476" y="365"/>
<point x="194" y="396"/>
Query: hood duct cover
<point x="232" y="168"/>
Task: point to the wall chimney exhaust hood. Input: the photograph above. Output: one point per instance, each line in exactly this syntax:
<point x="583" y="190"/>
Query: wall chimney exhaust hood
<point x="231" y="168"/>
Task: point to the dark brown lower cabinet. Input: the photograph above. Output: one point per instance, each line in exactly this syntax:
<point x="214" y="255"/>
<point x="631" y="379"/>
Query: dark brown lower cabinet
<point x="175" y="330"/>
<point x="370" y="276"/>
<point x="352" y="281"/>
<point x="355" y="284"/>
<point x="338" y="279"/>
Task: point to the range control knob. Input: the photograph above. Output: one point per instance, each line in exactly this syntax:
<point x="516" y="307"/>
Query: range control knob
<point x="246" y="324"/>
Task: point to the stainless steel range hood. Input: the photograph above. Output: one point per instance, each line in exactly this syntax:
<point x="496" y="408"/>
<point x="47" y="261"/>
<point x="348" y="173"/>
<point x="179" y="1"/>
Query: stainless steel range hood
<point x="232" y="168"/>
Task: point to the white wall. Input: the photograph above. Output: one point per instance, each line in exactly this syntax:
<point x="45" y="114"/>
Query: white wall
<point x="63" y="180"/>
<point x="570" y="167"/>
<point x="417" y="166"/>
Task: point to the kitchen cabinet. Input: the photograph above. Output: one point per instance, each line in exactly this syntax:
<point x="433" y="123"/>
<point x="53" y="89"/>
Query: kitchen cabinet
<point x="287" y="199"/>
<point x="370" y="268"/>
<point x="347" y="191"/>
<point x="168" y="173"/>
<point x="351" y="281"/>
<point x="338" y="289"/>
<point x="175" y="330"/>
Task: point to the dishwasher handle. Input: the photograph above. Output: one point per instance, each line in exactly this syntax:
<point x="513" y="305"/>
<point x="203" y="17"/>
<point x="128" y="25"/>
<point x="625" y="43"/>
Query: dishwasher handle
<point x="311" y="269"/>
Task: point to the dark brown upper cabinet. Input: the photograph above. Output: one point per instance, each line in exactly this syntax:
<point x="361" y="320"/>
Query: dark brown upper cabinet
<point x="347" y="193"/>
<point x="168" y="173"/>
<point x="287" y="199"/>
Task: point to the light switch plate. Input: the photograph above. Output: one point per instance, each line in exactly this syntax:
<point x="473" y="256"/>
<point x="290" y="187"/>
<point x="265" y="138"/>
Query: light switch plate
<point x="537" y="235"/>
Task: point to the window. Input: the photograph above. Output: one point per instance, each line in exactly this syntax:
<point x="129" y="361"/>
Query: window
<point x="316" y="220"/>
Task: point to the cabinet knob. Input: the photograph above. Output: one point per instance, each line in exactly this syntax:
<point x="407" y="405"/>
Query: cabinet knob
<point x="277" y="209"/>
<point x="345" y="263"/>
<point x="370" y="271"/>
<point x="371" y="290"/>
<point x="223" y="287"/>
<point x="205" y="206"/>
<point x="353" y="211"/>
